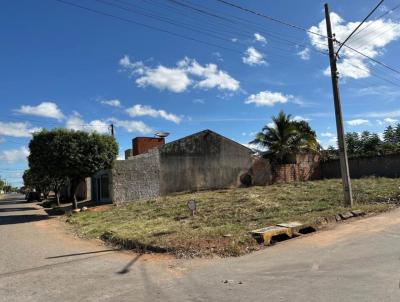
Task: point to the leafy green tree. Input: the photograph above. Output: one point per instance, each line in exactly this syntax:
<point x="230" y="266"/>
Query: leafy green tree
<point x="353" y="142"/>
<point x="287" y="137"/>
<point x="74" y="155"/>
<point x="39" y="182"/>
<point x="371" y="143"/>
<point x="389" y="135"/>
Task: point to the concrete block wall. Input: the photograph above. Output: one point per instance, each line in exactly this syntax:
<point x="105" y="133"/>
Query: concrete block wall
<point x="136" y="178"/>
<point x="383" y="166"/>
<point x="202" y="161"/>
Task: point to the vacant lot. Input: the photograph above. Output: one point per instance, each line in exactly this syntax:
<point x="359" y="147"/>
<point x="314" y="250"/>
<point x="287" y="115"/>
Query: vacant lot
<point x="225" y="217"/>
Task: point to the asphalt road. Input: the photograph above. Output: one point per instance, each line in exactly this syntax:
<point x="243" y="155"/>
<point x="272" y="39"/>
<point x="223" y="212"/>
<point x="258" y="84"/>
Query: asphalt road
<point x="40" y="261"/>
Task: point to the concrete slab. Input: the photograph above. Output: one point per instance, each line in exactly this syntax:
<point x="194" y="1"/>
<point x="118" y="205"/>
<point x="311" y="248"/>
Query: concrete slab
<point x="358" y="213"/>
<point x="346" y="215"/>
<point x="268" y="232"/>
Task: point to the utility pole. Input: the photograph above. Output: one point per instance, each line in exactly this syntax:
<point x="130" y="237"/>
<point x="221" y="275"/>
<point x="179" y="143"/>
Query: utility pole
<point x="112" y="130"/>
<point x="344" y="163"/>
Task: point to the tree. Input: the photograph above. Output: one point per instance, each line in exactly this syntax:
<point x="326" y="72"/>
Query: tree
<point x="74" y="155"/>
<point x="353" y="142"/>
<point x="389" y="135"/>
<point x="287" y="137"/>
<point x="2" y="184"/>
<point x="39" y="182"/>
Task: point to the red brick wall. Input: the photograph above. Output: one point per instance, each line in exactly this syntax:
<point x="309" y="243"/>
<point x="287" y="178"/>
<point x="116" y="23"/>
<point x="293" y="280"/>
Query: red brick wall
<point x="307" y="167"/>
<point x="143" y="144"/>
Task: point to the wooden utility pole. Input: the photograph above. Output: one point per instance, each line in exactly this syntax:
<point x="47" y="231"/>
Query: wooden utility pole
<point x="344" y="163"/>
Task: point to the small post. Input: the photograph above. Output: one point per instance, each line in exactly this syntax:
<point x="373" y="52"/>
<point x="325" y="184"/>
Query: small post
<point x="344" y="164"/>
<point x="112" y="130"/>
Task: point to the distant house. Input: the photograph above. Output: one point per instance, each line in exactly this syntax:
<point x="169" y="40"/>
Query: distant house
<point x="201" y="161"/>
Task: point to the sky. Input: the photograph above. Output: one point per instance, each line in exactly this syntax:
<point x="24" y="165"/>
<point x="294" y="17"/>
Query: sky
<point x="183" y="66"/>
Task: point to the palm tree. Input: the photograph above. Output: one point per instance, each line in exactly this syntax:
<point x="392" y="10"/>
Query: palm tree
<point x="287" y="137"/>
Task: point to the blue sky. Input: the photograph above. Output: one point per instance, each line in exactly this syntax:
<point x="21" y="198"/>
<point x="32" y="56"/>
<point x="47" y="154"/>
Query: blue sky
<point x="64" y="66"/>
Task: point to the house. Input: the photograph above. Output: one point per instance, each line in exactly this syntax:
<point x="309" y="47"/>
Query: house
<point x="201" y="161"/>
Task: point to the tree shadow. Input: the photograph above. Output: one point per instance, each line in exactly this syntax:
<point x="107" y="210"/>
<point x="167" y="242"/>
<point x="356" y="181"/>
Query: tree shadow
<point x="16" y="219"/>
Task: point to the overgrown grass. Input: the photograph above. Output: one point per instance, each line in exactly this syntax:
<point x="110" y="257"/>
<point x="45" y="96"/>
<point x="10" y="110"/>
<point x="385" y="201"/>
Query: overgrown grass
<point x="225" y="217"/>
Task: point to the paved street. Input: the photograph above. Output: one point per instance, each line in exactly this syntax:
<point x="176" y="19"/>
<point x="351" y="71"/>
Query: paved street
<point x="40" y="261"/>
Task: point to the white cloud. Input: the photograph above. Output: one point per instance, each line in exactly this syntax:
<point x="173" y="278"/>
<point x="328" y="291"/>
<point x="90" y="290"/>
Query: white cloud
<point x="392" y="114"/>
<point x="370" y="41"/>
<point x="187" y="73"/>
<point x="357" y="122"/>
<point x="304" y="54"/>
<point x="300" y="118"/>
<point x="75" y="122"/>
<point x="17" y="129"/>
<point x="44" y="109"/>
<point x="267" y="98"/>
<point x="112" y="103"/>
<point x="142" y="110"/>
<point x="173" y="79"/>
<point x="234" y="40"/>
<point x="390" y="120"/>
<point x="260" y="38"/>
<point x="327" y="134"/>
<point x="14" y="155"/>
<point x="132" y="126"/>
<point x="253" y="57"/>
<point x="209" y="74"/>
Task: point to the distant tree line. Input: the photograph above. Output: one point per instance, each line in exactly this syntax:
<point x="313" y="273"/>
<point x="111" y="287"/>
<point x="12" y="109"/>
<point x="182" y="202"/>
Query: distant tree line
<point x="369" y="144"/>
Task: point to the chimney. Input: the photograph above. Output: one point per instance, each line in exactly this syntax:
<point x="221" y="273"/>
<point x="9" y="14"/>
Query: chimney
<point x="143" y="144"/>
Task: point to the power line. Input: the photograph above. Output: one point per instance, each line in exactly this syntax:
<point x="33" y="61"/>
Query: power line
<point x="272" y="18"/>
<point x="381" y="16"/>
<point x="372" y="59"/>
<point x="358" y="26"/>
<point x="308" y="31"/>
<point x="147" y="26"/>
<point x="267" y="32"/>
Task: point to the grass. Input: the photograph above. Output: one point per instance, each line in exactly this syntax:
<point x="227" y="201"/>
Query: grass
<point x="224" y="217"/>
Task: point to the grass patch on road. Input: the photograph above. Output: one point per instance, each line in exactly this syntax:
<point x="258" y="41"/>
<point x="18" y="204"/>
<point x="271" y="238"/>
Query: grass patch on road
<point x="224" y="217"/>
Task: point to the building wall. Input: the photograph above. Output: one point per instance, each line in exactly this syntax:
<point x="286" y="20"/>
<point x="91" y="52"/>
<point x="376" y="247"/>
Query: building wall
<point x="202" y="161"/>
<point x="307" y="167"/>
<point x="384" y="166"/>
<point x="136" y="178"/>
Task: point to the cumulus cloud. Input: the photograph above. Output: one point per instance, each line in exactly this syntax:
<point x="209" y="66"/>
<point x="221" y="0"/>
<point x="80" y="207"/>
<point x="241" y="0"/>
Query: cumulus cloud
<point x="327" y="134"/>
<point x="112" y="103"/>
<point x="253" y="57"/>
<point x="187" y="73"/>
<point x="260" y="38"/>
<point x="382" y="31"/>
<point x="75" y="122"/>
<point x="17" y="129"/>
<point x="357" y="122"/>
<point x="268" y="98"/>
<point x="304" y="54"/>
<point x="14" y="155"/>
<point x="142" y="110"/>
<point x="44" y="109"/>
<point x="132" y="126"/>
<point x="391" y="120"/>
